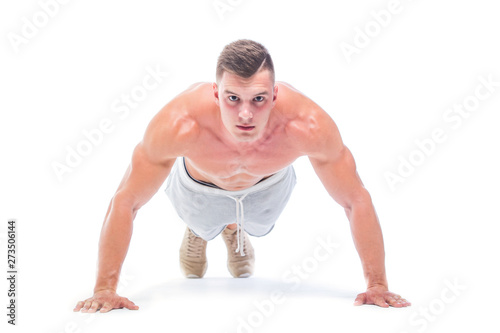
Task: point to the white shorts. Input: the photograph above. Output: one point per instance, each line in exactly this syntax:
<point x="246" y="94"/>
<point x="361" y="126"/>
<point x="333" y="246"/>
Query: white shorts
<point x="208" y="210"/>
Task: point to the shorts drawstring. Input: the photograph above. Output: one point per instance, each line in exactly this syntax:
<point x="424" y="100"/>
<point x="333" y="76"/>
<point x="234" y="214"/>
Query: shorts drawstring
<point x="240" y="223"/>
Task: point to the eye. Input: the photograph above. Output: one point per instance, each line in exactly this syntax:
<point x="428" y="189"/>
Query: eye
<point x="233" y="98"/>
<point x="259" y="99"/>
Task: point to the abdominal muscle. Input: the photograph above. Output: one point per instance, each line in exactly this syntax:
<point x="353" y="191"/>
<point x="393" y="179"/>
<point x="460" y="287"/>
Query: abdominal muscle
<point x="231" y="181"/>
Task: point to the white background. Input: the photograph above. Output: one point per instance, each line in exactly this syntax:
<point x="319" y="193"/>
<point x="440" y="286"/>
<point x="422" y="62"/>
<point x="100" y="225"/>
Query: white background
<point x="440" y="224"/>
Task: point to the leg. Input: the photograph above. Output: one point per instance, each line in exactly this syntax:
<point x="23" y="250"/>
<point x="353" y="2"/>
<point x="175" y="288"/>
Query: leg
<point x="192" y="255"/>
<point x="239" y="266"/>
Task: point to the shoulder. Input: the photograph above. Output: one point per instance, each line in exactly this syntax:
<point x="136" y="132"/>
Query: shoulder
<point x="176" y="125"/>
<point x="311" y="127"/>
<point x="304" y="113"/>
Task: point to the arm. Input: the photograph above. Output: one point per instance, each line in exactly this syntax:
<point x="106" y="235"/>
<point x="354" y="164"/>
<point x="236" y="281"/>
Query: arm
<point x="152" y="161"/>
<point x="336" y="168"/>
<point x="140" y="182"/>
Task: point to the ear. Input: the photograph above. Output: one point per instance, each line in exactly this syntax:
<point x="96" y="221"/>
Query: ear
<point x="216" y="93"/>
<point x="275" y="95"/>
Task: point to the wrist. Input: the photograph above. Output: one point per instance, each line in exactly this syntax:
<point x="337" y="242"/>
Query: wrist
<point x="104" y="289"/>
<point x="376" y="282"/>
<point x="109" y="282"/>
<point x="105" y="286"/>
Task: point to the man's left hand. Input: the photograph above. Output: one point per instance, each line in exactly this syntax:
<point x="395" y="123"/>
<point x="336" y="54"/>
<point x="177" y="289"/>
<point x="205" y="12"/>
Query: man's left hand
<point x="382" y="297"/>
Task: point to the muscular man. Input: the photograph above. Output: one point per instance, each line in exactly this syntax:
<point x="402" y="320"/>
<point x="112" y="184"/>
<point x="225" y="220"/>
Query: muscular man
<point x="228" y="149"/>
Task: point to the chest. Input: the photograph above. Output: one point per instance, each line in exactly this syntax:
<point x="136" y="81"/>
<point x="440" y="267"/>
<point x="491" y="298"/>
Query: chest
<point x="211" y="158"/>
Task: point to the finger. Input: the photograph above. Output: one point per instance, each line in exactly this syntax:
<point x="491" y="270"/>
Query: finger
<point x="106" y="308"/>
<point x="94" y="307"/>
<point x="360" y="300"/>
<point x="396" y="300"/>
<point x="129" y="304"/>
<point x="86" y="306"/>
<point x="404" y="302"/>
<point x="380" y="302"/>
<point x="393" y="301"/>
<point x="78" y="306"/>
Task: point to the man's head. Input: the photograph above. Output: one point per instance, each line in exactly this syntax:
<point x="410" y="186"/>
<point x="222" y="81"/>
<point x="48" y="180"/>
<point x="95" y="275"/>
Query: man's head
<point x="245" y="90"/>
<point x="244" y="58"/>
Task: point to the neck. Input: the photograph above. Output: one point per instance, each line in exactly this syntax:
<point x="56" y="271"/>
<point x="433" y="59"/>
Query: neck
<point x="245" y="146"/>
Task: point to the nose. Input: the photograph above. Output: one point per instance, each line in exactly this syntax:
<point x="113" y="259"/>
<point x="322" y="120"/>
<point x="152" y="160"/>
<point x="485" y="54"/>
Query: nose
<point x="245" y="114"/>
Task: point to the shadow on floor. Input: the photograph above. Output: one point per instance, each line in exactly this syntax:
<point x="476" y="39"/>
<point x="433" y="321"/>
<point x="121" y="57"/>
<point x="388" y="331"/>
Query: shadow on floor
<point x="234" y="287"/>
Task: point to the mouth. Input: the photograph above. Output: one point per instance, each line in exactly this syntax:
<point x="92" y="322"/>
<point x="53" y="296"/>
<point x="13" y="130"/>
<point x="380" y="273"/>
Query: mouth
<point x="245" y="128"/>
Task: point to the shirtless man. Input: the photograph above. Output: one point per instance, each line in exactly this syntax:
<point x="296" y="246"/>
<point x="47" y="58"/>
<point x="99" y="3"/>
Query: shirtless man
<point x="228" y="148"/>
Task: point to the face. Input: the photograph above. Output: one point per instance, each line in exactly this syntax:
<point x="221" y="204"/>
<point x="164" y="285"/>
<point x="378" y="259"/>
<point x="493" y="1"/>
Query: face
<point x="245" y="104"/>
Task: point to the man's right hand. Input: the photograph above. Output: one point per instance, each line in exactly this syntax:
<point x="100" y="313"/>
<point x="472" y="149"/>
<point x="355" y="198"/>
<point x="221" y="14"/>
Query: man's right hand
<point x="105" y="301"/>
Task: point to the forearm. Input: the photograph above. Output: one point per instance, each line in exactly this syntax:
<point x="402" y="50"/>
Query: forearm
<point x="368" y="240"/>
<point x="113" y="245"/>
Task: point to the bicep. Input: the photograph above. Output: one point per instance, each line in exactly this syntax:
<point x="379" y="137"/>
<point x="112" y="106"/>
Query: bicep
<point x="318" y="137"/>
<point x="164" y="140"/>
<point x="335" y="166"/>
<point x="340" y="178"/>
<point x="143" y="178"/>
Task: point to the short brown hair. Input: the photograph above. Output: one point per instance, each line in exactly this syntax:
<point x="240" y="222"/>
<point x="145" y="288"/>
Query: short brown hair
<point x="244" y="58"/>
